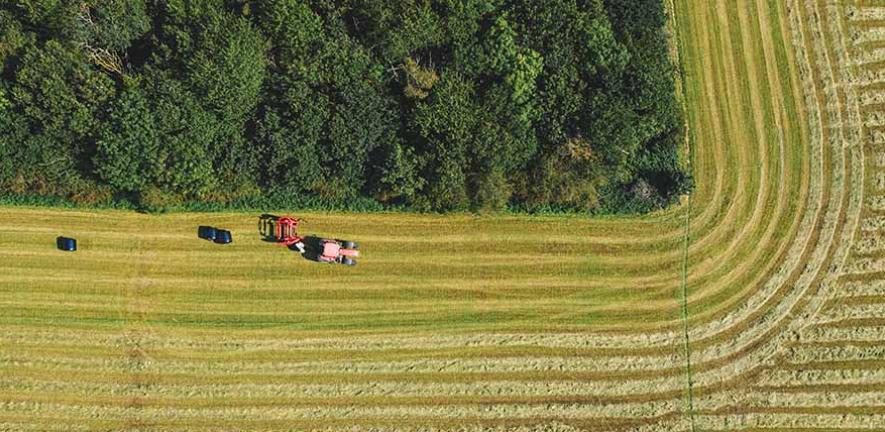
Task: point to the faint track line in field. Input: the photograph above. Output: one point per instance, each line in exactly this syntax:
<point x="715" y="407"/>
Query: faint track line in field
<point x="674" y="23"/>
<point x="684" y="314"/>
<point x="680" y="94"/>
<point x="135" y="337"/>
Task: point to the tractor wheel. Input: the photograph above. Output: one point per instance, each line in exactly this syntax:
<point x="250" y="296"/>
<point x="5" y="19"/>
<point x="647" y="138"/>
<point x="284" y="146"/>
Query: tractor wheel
<point x="351" y="245"/>
<point x="348" y="261"/>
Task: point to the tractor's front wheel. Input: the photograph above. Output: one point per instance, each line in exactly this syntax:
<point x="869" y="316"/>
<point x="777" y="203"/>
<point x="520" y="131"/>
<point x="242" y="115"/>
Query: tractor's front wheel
<point x="351" y="245"/>
<point x="348" y="261"/>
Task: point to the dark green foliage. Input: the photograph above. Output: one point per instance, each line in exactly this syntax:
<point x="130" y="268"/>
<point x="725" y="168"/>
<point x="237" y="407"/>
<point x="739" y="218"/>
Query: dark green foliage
<point x="443" y="127"/>
<point x="224" y="63"/>
<point x="12" y="132"/>
<point x="398" y="30"/>
<point x="289" y="133"/>
<point x="227" y="71"/>
<point x="437" y="105"/>
<point x="12" y="39"/>
<point x="128" y="143"/>
<point x="46" y="17"/>
<point x="187" y="133"/>
<point x="112" y="24"/>
<point x="59" y="98"/>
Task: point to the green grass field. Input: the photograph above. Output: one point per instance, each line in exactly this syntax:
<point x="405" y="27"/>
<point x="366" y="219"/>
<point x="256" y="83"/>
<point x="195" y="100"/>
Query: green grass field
<point x="418" y="272"/>
<point x="757" y="304"/>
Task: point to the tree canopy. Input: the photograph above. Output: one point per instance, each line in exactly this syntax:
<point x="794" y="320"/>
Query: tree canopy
<point x="440" y="105"/>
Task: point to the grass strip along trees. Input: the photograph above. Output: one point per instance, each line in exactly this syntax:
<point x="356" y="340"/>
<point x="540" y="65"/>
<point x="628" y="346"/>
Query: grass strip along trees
<point x="434" y="105"/>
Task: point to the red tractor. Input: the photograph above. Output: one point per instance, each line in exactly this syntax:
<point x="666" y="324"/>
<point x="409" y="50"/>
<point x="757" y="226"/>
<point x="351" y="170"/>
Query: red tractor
<point x="323" y="250"/>
<point x="337" y="251"/>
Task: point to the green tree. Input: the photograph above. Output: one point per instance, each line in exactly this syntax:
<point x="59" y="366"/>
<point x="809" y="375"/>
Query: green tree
<point x="568" y="179"/>
<point x="394" y="176"/>
<point x="226" y="64"/>
<point x="290" y="130"/>
<point x="51" y="18"/>
<point x="111" y="24"/>
<point x="363" y="119"/>
<point x="158" y="138"/>
<point x="60" y="97"/>
<point x="219" y="57"/>
<point x="297" y="35"/>
<point x="397" y="30"/>
<point x="227" y="69"/>
<point x="13" y="38"/>
<point x="13" y="132"/>
<point x="186" y="133"/>
<point x="603" y="54"/>
<point x="128" y="144"/>
<point x="445" y="124"/>
<point x="441" y="104"/>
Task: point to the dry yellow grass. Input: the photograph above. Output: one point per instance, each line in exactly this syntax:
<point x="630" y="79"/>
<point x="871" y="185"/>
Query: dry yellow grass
<point x="508" y="323"/>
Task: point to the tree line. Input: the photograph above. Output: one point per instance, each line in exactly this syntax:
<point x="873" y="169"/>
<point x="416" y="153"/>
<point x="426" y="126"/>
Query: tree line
<point x="436" y="105"/>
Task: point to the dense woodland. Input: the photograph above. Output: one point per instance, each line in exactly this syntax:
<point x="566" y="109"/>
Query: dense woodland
<point x="435" y="105"/>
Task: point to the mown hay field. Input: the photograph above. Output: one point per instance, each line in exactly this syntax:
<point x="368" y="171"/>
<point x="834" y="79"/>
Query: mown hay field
<point x="758" y="303"/>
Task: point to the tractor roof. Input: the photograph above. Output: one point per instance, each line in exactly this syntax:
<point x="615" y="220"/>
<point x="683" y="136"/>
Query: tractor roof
<point x="331" y="249"/>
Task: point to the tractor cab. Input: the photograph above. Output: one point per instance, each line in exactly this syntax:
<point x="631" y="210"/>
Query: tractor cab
<point x="341" y="252"/>
<point x="285" y="233"/>
<point x="331" y="250"/>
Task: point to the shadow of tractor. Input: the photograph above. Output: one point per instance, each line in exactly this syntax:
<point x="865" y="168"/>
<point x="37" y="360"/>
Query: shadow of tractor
<point x="312" y="248"/>
<point x="267" y="226"/>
